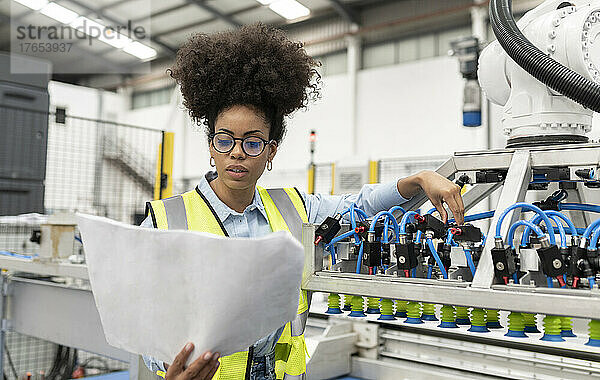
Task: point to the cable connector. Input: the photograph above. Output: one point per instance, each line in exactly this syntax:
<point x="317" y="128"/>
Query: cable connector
<point x="371" y="237"/>
<point x="544" y="241"/>
<point x="504" y="260"/>
<point x="328" y="229"/>
<point x="498" y="243"/>
<point x="406" y="256"/>
<point x="402" y="239"/>
<point x="552" y="261"/>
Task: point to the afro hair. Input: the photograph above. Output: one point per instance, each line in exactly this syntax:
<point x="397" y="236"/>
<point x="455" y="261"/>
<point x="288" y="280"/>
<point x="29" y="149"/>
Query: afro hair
<point x="256" y="65"/>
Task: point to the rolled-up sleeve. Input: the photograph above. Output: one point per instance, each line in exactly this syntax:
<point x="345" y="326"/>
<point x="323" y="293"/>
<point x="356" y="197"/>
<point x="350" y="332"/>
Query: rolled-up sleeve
<point x="372" y="198"/>
<point x="153" y="364"/>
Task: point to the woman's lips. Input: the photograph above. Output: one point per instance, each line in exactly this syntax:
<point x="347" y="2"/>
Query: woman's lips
<point x="236" y="173"/>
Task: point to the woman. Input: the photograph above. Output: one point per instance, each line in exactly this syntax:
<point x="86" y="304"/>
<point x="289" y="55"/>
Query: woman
<point x="241" y="85"/>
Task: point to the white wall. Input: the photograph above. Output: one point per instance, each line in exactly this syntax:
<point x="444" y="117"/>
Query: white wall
<point x="406" y="110"/>
<point x="411" y="109"/>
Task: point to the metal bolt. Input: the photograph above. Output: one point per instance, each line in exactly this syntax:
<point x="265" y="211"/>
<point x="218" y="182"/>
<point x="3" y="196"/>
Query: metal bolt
<point x="551" y="48"/>
<point x="532" y="282"/>
<point x="552" y="34"/>
<point x="500" y="266"/>
<point x="556" y="22"/>
<point x="401" y="259"/>
<point x="556" y="263"/>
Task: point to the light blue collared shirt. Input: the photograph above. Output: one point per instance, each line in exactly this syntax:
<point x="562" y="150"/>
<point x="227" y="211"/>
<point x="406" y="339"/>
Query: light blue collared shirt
<point x="253" y="222"/>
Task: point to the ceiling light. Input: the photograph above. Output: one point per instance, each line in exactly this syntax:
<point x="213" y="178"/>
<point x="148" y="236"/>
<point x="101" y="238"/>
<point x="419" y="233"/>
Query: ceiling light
<point x="33" y="4"/>
<point x="87" y="26"/>
<point x="290" y="9"/>
<point x="59" y="13"/>
<point x="140" y="50"/>
<point x="111" y="37"/>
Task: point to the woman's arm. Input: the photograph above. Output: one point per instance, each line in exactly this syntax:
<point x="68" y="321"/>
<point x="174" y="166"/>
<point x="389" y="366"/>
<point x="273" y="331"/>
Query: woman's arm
<point x="378" y="197"/>
<point x="438" y="189"/>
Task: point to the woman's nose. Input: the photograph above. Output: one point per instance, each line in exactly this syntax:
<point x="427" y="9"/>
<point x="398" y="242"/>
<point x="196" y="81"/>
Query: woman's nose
<point x="237" y="152"/>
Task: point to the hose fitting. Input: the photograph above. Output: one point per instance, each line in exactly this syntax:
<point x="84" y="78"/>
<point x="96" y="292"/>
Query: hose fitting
<point x="498" y="243"/>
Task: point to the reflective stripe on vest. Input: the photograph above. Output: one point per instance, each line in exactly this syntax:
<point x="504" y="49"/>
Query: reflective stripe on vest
<point x="175" y="210"/>
<point x="285" y="211"/>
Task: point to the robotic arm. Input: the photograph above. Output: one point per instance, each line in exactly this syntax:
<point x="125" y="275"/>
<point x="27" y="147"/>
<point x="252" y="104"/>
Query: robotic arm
<point x="544" y="70"/>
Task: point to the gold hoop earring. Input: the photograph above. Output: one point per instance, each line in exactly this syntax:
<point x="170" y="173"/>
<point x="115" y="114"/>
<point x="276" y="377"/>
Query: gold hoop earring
<point x="212" y="162"/>
<point x="269" y="165"/>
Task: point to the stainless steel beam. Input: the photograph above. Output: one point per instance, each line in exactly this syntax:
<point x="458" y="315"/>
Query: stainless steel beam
<point x="345" y="11"/>
<point x="103" y="15"/>
<point x="513" y="191"/>
<point x="562" y="155"/>
<point x="62" y="269"/>
<point x="447" y="169"/>
<point x="215" y="12"/>
<point x="478" y="193"/>
<point x="567" y="302"/>
<point x="60" y="314"/>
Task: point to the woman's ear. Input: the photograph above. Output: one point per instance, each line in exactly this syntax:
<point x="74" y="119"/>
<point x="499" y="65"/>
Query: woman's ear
<point x="272" y="151"/>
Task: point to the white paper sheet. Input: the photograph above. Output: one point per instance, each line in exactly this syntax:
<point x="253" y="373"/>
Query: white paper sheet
<point x="158" y="289"/>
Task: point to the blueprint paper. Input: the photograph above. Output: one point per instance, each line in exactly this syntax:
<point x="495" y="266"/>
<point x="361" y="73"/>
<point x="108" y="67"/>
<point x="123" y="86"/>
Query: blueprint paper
<point x="156" y="289"/>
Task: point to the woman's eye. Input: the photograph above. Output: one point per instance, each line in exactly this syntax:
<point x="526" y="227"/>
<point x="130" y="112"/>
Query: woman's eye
<point x="253" y="144"/>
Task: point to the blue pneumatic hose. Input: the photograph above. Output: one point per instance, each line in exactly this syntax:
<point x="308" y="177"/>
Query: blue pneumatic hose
<point x="437" y="258"/>
<point x="528" y="207"/>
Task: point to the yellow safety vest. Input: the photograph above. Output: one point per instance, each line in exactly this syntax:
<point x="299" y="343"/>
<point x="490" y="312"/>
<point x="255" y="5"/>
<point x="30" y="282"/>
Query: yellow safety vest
<point x="286" y="211"/>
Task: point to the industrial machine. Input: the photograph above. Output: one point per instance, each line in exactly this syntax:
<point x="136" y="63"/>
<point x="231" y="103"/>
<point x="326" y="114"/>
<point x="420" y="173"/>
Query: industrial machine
<point x="423" y="279"/>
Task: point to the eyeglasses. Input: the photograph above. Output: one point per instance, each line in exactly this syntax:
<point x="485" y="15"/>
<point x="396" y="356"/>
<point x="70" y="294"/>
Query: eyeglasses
<point x="252" y="145"/>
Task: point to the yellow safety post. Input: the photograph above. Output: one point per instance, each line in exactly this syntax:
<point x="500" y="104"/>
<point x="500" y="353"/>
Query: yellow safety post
<point x="332" y="178"/>
<point x="311" y="179"/>
<point x="163" y="184"/>
<point x="373" y="171"/>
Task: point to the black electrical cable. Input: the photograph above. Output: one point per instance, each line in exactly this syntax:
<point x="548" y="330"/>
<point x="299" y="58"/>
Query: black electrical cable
<point x="104" y="362"/>
<point x="64" y="363"/>
<point x="545" y="69"/>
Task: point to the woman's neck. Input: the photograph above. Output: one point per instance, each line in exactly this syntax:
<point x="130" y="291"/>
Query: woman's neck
<point x="236" y="199"/>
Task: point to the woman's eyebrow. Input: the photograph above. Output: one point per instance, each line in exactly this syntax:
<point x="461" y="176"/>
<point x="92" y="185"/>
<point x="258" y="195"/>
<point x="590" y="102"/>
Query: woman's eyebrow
<point x="254" y="131"/>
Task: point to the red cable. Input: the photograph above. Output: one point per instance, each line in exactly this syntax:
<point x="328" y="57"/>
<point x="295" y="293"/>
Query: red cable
<point x="505" y="280"/>
<point x="370" y="270"/>
<point x="560" y="281"/>
<point x="575" y="281"/>
<point x="406" y="273"/>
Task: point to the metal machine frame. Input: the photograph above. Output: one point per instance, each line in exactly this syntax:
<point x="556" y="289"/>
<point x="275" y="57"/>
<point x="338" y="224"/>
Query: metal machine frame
<point x="482" y="292"/>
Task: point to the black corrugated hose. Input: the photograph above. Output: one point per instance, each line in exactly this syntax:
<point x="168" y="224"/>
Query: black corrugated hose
<point x="545" y="69"/>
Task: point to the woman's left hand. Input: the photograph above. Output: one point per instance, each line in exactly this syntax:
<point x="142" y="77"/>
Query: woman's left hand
<point x="438" y="189"/>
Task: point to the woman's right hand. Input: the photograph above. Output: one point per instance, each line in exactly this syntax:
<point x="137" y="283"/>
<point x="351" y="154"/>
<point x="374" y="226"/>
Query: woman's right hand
<point x="202" y="368"/>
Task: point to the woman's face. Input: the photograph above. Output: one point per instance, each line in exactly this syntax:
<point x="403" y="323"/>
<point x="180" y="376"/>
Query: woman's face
<point x="236" y="169"/>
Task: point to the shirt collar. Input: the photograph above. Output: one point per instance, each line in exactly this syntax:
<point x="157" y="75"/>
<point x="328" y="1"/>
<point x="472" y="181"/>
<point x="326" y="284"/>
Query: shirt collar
<point x="221" y="209"/>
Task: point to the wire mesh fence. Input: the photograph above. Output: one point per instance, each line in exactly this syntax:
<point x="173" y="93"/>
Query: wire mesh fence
<point x="51" y="163"/>
<point x="324" y="178"/>
<point x="391" y="169"/>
